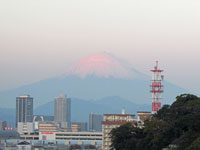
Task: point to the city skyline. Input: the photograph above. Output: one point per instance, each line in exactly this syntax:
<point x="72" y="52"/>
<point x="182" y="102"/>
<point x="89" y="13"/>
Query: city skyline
<point x="99" y="74"/>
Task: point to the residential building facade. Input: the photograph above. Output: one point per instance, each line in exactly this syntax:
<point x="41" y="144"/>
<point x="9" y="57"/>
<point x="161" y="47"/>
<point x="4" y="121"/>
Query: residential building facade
<point x="113" y="121"/>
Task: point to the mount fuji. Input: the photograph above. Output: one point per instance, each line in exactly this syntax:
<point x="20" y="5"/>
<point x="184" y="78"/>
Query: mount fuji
<point x="92" y="78"/>
<point x="103" y="65"/>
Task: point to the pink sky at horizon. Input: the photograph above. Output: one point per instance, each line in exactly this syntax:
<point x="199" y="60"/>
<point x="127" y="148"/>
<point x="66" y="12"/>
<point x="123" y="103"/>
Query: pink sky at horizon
<point x="40" y="39"/>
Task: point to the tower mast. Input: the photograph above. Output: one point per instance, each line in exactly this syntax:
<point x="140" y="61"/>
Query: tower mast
<point x="156" y="88"/>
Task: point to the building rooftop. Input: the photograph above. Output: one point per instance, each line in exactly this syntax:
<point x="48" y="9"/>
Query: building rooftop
<point x="119" y="115"/>
<point x="24" y="96"/>
<point x="144" y="112"/>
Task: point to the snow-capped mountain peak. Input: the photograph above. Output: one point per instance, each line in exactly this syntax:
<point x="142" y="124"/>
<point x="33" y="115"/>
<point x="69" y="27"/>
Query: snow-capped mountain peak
<point x="101" y="65"/>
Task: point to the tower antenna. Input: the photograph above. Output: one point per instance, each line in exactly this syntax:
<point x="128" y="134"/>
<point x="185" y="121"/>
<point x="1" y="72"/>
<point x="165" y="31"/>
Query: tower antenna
<point x="156" y="88"/>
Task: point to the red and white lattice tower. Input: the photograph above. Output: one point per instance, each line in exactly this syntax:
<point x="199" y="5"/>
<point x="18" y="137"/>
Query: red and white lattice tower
<point x="156" y="88"/>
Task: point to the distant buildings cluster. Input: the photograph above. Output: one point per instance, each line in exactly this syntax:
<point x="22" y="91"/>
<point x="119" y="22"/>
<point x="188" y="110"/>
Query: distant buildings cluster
<point x="60" y="126"/>
<point x="40" y="127"/>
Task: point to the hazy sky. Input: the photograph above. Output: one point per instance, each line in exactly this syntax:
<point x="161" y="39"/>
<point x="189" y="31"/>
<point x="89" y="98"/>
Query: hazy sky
<point x="42" y="38"/>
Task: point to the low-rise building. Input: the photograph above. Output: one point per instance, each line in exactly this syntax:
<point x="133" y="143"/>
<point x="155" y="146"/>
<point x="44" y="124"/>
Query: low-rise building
<point x="65" y="136"/>
<point x="142" y="116"/>
<point x="113" y="121"/>
<point x="25" y="127"/>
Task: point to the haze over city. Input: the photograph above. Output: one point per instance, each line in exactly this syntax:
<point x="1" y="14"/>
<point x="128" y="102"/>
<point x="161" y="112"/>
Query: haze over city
<point x="41" y="39"/>
<point x="99" y="74"/>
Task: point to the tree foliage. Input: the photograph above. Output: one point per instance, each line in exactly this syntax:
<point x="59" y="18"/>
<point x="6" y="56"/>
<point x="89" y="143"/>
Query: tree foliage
<point x="126" y="134"/>
<point x="176" y="126"/>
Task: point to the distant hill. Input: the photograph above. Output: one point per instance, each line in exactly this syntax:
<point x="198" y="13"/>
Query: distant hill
<point x="8" y="114"/>
<point x="80" y="109"/>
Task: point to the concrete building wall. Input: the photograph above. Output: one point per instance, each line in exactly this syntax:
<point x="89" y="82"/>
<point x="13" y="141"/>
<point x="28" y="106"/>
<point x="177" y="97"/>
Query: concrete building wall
<point x="25" y="127"/>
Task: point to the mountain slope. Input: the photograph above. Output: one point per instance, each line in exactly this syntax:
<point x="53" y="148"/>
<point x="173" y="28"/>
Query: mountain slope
<point x="92" y="78"/>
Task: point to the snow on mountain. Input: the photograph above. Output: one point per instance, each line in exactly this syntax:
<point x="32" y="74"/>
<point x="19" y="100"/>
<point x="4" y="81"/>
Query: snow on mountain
<point x="102" y="65"/>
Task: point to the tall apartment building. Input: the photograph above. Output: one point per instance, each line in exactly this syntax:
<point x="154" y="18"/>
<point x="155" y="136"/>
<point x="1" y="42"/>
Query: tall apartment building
<point x="95" y="122"/>
<point x="113" y="121"/>
<point x="24" y="109"/>
<point x="62" y="111"/>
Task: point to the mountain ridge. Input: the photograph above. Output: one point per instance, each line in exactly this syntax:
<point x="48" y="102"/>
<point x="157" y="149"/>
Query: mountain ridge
<point x="91" y="86"/>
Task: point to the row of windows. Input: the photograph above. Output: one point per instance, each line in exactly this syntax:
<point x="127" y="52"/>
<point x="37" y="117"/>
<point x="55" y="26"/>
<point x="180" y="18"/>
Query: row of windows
<point x="30" y="138"/>
<point x="110" y="126"/>
<point x="76" y="139"/>
<point x="76" y="135"/>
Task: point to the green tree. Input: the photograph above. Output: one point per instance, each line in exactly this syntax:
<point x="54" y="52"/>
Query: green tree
<point x="177" y="125"/>
<point x="195" y="145"/>
<point x="126" y="137"/>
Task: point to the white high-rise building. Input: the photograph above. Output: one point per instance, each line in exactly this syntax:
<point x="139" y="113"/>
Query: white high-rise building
<point x="62" y="111"/>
